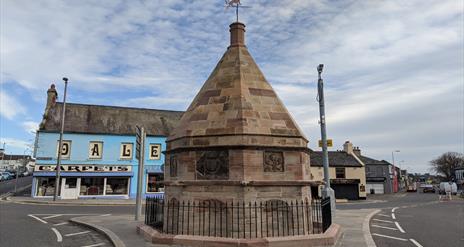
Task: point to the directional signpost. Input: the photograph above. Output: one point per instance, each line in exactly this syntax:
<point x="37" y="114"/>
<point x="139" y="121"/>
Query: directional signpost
<point x="140" y="156"/>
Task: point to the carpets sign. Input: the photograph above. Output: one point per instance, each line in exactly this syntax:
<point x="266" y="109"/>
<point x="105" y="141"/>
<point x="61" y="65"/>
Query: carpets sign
<point x="83" y="168"/>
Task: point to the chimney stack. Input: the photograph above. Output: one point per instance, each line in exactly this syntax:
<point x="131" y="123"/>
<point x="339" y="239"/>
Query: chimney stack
<point x="52" y="95"/>
<point x="237" y="34"/>
<point x="348" y="147"/>
<point x="357" y="151"/>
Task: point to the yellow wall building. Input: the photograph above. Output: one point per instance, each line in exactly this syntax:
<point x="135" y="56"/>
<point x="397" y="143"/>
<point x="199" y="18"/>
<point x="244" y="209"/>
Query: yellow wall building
<point x="347" y="173"/>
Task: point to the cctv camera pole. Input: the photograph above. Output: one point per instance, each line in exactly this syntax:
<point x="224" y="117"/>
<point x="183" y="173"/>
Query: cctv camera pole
<point x="60" y="143"/>
<point x="327" y="191"/>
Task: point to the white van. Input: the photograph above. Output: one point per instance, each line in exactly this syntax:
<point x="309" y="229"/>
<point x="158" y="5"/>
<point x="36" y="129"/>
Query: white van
<point x="446" y="187"/>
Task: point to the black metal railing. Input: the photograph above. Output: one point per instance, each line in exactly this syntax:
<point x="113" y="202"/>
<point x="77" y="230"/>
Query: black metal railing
<point x="273" y="218"/>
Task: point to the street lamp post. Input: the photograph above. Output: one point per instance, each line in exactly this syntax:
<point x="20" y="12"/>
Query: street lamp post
<point x="327" y="191"/>
<point x="60" y="143"/>
<point x="393" y="162"/>
<point x="393" y="156"/>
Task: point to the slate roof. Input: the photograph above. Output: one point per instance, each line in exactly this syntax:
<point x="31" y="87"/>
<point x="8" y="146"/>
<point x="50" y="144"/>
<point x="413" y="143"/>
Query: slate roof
<point x="236" y="99"/>
<point x="101" y="119"/>
<point x="14" y="157"/>
<point x="370" y="161"/>
<point x="336" y="159"/>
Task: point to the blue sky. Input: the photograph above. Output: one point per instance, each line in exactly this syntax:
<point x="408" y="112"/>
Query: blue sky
<point x="393" y="73"/>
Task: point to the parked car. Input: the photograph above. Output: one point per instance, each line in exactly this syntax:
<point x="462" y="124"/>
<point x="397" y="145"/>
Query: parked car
<point x="446" y="187"/>
<point x="6" y="176"/>
<point x="428" y="188"/>
<point x="412" y="187"/>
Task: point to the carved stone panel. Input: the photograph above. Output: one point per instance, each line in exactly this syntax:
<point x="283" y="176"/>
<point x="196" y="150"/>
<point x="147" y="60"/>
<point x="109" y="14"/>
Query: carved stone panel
<point x="273" y="161"/>
<point x="173" y="166"/>
<point x="213" y="164"/>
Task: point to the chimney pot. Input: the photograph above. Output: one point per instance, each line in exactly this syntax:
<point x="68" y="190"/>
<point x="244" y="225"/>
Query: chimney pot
<point x="237" y="34"/>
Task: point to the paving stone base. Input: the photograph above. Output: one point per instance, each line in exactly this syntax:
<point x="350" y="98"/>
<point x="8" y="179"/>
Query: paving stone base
<point x="328" y="238"/>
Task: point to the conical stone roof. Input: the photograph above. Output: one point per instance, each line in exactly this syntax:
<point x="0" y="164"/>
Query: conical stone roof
<point x="237" y="100"/>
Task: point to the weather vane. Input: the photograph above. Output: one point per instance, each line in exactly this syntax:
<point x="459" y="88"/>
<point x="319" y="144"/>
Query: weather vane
<point x="235" y="4"/>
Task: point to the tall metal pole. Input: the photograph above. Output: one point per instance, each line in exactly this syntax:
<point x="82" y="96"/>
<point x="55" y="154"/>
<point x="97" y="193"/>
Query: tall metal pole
<point x="60" y="143"/>
<point x="393" y="162"/>
<point x="327" y="191"/>
<point x="138" y="199"/>
<point x="325" y="154"/>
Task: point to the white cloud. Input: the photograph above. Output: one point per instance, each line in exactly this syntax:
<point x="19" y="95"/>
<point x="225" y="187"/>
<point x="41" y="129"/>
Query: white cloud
<point x="9" y="106"/>
<point x="30" y="127"/>
<point x="13" y="143"/>
<point x="393" y="69"/>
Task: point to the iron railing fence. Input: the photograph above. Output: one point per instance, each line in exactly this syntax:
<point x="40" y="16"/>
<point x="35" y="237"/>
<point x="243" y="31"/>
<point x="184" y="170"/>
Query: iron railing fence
<point x="273" y="218"/>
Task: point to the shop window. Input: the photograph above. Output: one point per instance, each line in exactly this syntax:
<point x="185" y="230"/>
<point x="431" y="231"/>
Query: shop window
<point x="340" y="172"/>
<point x="117" y="186"/>
<point x="95" y="150"/>
<point x="45" y="186"/>
<point x="92" y="186"/>
<point x="153" y="182"/>
<point x="155" y="151"/>
<point x="65" y="149"/>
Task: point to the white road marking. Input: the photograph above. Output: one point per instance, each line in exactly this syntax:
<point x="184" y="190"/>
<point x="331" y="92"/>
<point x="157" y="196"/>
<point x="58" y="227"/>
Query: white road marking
<point x="76" y="233"/>
<point x="393" y="216"/>
<point x="67" y="214"/>
<point x="37" y="218"/>
<point x="393" y="209"/>
<point x="93" y="245"/>
<point x="415" y="243"/>
<point x="384" y="227"/>
<point x="105" y="215"/>
<point x="60" y="224"/>
<point x="59" y="238"/>
<point x="384" y="215"/>
<point x="399" y="227"/>
<point x="385" y="236"/>
<point x="387" y="221"/>
<point x="52" y="216"/>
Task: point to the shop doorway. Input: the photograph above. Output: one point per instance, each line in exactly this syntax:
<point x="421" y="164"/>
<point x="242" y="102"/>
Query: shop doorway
<point x="70" y="188"/>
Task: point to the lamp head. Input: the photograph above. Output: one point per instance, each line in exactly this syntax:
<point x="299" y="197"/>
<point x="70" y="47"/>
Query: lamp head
<point x="65" y="79"/>
<point x="319" y="68"/>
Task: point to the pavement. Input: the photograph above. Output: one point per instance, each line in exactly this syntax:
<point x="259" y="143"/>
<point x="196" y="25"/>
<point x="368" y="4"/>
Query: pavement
<point x="122" y="228"/>
<point x="83" y="202"/>
<point x="360" y="221"/>
<point x="355" y="227"/>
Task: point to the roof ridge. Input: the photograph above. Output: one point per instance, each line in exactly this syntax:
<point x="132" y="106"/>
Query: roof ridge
<point x="122" y="107"/>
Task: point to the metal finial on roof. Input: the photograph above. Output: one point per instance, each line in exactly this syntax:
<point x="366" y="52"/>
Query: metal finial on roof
<point x="235" y="4"/>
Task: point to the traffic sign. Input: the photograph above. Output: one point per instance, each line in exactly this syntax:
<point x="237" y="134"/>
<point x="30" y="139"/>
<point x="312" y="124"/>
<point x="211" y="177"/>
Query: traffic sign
<point x="329" y="143"/>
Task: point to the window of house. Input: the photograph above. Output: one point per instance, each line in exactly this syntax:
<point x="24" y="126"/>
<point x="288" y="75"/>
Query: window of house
<point x="153" y="182"/>
<point x="45" y="186"/>
<point x="92" y="186"/>
<point x="117" y="186"/>
<point x="340" y="172"/>
<point x="379" y="171"/>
